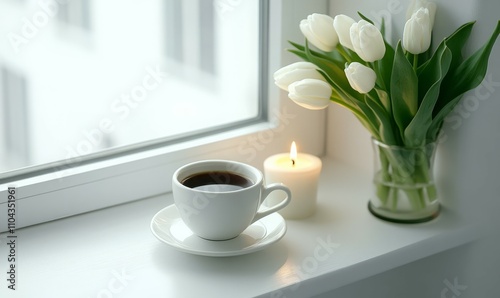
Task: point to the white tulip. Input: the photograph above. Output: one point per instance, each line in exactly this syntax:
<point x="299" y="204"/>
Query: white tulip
<point x="342" y="25"/>
<point x="415" y="5"/>
<point x="318" y="29"/>
<point x="310" y="93"/>
<point x="367" y="41"/>
<point x="417" y="32"/>
<point x="298" y="71"/>
<point x="360" y="77"/>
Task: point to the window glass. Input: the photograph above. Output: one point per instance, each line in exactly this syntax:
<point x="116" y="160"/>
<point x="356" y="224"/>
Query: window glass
<point x="79" y="77"/>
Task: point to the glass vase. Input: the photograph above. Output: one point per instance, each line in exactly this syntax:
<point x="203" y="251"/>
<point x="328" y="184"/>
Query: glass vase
<point x="403" y="184"/>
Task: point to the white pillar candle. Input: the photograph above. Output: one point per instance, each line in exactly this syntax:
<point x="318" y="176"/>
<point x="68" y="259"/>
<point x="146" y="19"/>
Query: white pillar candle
<point x="300" y="172"/>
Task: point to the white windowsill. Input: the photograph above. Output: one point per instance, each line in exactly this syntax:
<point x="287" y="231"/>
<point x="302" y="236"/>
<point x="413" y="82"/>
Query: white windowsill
<point x="82" y="256"/>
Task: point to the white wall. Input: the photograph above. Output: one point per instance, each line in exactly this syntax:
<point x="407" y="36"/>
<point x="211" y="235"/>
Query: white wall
<point x="468" y="164"/>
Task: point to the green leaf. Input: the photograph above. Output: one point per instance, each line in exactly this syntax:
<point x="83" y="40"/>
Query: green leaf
<point x="371" y="118"/>
<point x="337" y="56"/>
<point x="384" y="100"/>
<point x="365" y="18"/>
<point x="373" y="131"/>
<point x="385" y="128"/>
<point x="330" y="55"/>
<point x="455" y="43"/>
<point x="433" y="75"/>
<point x="469" y="74"/>
<point x="384" y="68"/>
<point x="382" y="27"/>
<point x="296" y="45"/>
<point x="347" y="101"/>
<point x="334" y="71"/>
<point x="404" y="90"/>
<point x="329" y="70"/>
<point x="300" y="54"/>
<point x="347" y="54"/>
<point x="437" y="122"/>
<point x="346" y="96"/>
<point x="446" y="103"/>
<point x="332" y="68"/>
<point x="362" y="117"/>
<point x="430" y="73"/>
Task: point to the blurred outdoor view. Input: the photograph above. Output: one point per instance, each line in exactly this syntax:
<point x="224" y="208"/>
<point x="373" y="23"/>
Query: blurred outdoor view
<point x="81" y="76"/>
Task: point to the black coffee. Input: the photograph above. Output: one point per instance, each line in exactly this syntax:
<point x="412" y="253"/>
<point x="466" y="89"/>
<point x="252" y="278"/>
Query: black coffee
<point x="217" y="181"/>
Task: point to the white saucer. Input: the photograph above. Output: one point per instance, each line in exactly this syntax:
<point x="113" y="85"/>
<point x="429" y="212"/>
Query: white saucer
<point x="168" y="227"/>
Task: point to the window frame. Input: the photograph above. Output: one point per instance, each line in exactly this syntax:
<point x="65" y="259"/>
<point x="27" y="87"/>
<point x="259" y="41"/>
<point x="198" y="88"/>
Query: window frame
<point x="144" y="173"/>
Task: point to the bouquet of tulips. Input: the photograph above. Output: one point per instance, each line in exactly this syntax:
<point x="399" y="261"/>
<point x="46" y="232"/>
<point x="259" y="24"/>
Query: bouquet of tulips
<point x="401" y="95"/>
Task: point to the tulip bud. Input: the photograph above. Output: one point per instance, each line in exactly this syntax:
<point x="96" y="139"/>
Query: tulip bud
<point x="360" y="77"/>
<point x="417" y="32"/>
<point x="415" y="5"/>
<point x="342" y="25"/>
<point x="310" y="93"/>
<point x="318" y="29"/>
<point x="367" y="41"/>
<point x="298" y="71"/>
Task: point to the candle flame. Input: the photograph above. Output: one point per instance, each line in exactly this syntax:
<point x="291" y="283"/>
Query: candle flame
<point x="293" y="152"/>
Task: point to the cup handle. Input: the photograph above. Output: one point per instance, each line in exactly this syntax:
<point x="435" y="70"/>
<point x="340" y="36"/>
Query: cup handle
<point x="265" y="192"/>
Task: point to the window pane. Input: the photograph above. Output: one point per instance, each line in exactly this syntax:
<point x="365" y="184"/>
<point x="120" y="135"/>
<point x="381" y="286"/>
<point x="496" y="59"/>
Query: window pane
<point x="80" y="77"/>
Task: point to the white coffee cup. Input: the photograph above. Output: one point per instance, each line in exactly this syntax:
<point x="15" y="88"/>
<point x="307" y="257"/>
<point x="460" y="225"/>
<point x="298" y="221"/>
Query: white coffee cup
<point x="217" y="205"/>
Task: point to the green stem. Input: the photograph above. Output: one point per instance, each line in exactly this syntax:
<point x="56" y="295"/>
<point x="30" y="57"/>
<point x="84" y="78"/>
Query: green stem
<point x="373" y="96"/>
<point x="382" y="179"/>
<point x="423" y="175"/>
<point x="344" y="53"/>
<point x="380" y="80"/>
<point x="349" y="107"/>
<point x="408" y="172"/>
<point x="415" y="62"/>
<point x="361" y="116"/>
